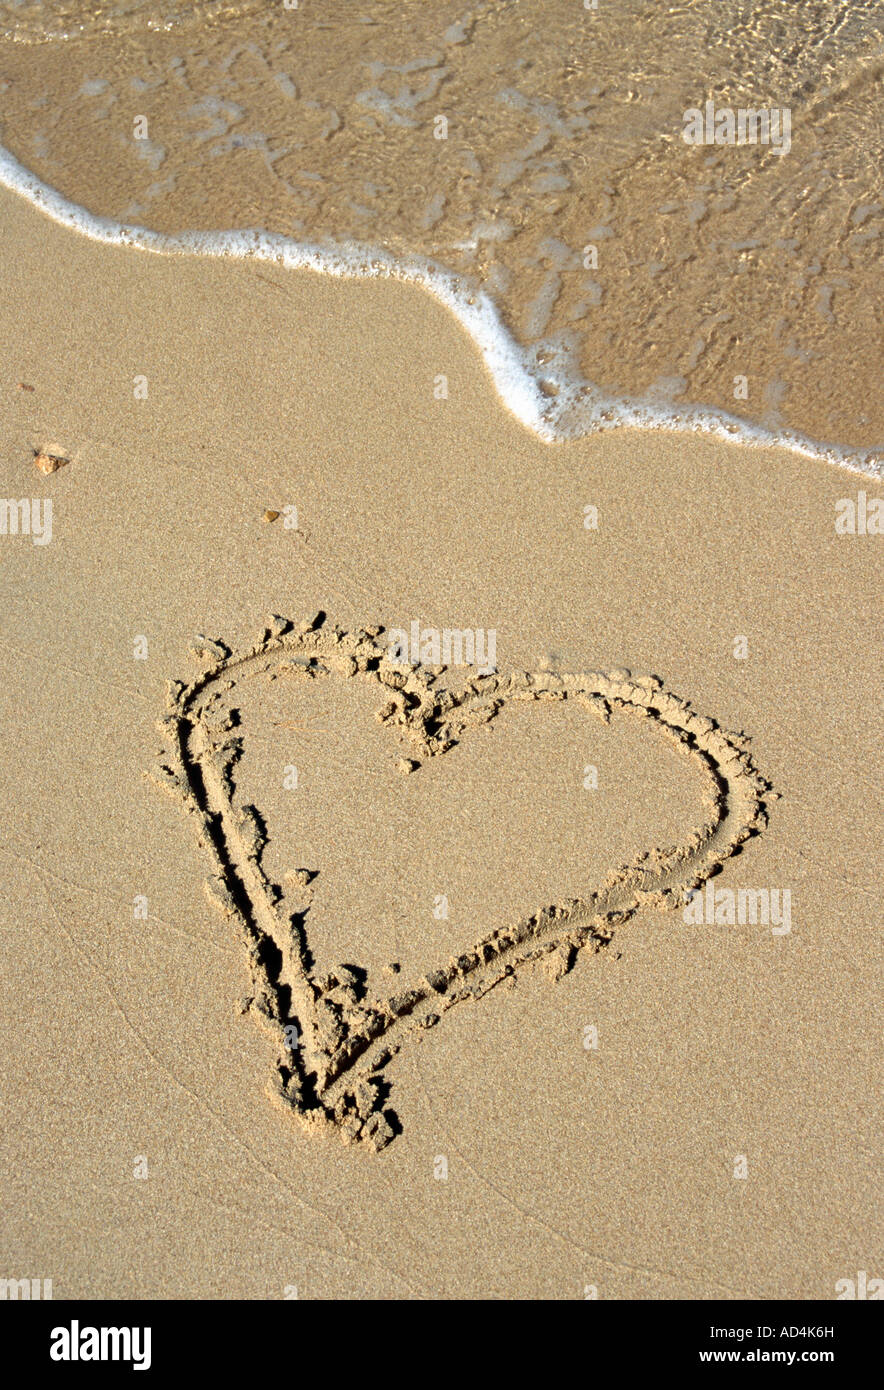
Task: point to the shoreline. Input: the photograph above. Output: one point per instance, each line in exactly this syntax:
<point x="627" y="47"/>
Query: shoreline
<point x="555" y="406"/>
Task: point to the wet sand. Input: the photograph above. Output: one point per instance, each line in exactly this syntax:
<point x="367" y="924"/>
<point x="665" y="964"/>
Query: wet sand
<point x="536" y="150"/>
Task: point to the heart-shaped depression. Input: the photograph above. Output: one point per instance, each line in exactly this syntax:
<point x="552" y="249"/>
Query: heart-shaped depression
<point x="333" y="1040"/>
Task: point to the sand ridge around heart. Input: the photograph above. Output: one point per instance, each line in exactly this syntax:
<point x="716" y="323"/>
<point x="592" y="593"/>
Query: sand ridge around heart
<point x="333" y="1040"/>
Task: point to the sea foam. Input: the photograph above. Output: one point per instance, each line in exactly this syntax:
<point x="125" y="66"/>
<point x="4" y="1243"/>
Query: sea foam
<point x="540" y="387"/>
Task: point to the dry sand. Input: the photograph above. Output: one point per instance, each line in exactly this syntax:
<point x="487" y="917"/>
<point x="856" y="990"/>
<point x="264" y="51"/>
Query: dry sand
<point x="142" y="1152"/>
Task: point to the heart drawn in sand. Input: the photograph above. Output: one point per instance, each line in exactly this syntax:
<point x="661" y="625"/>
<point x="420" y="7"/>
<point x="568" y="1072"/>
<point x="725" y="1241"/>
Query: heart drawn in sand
<point x="334" y="1041"/>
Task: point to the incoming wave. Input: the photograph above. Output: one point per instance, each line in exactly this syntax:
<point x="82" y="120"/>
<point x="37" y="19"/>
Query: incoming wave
<point x="547" y="396"/>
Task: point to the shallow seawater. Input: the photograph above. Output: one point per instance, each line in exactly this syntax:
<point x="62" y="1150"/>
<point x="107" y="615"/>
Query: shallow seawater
<point x="534" y="147"/>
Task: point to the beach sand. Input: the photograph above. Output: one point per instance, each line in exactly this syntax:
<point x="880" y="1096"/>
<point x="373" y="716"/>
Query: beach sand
<point x="557" y="1137"/>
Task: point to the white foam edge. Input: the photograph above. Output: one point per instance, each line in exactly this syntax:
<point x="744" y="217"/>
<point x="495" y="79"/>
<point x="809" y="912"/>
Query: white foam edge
<point x="577" y="409"/>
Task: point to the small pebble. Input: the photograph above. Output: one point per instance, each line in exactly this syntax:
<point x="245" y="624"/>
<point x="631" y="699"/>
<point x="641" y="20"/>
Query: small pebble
<point x="48" y="463"/>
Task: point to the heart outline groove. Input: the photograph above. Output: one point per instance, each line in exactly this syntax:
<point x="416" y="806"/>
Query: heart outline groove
<point x="335" y="1074"/>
